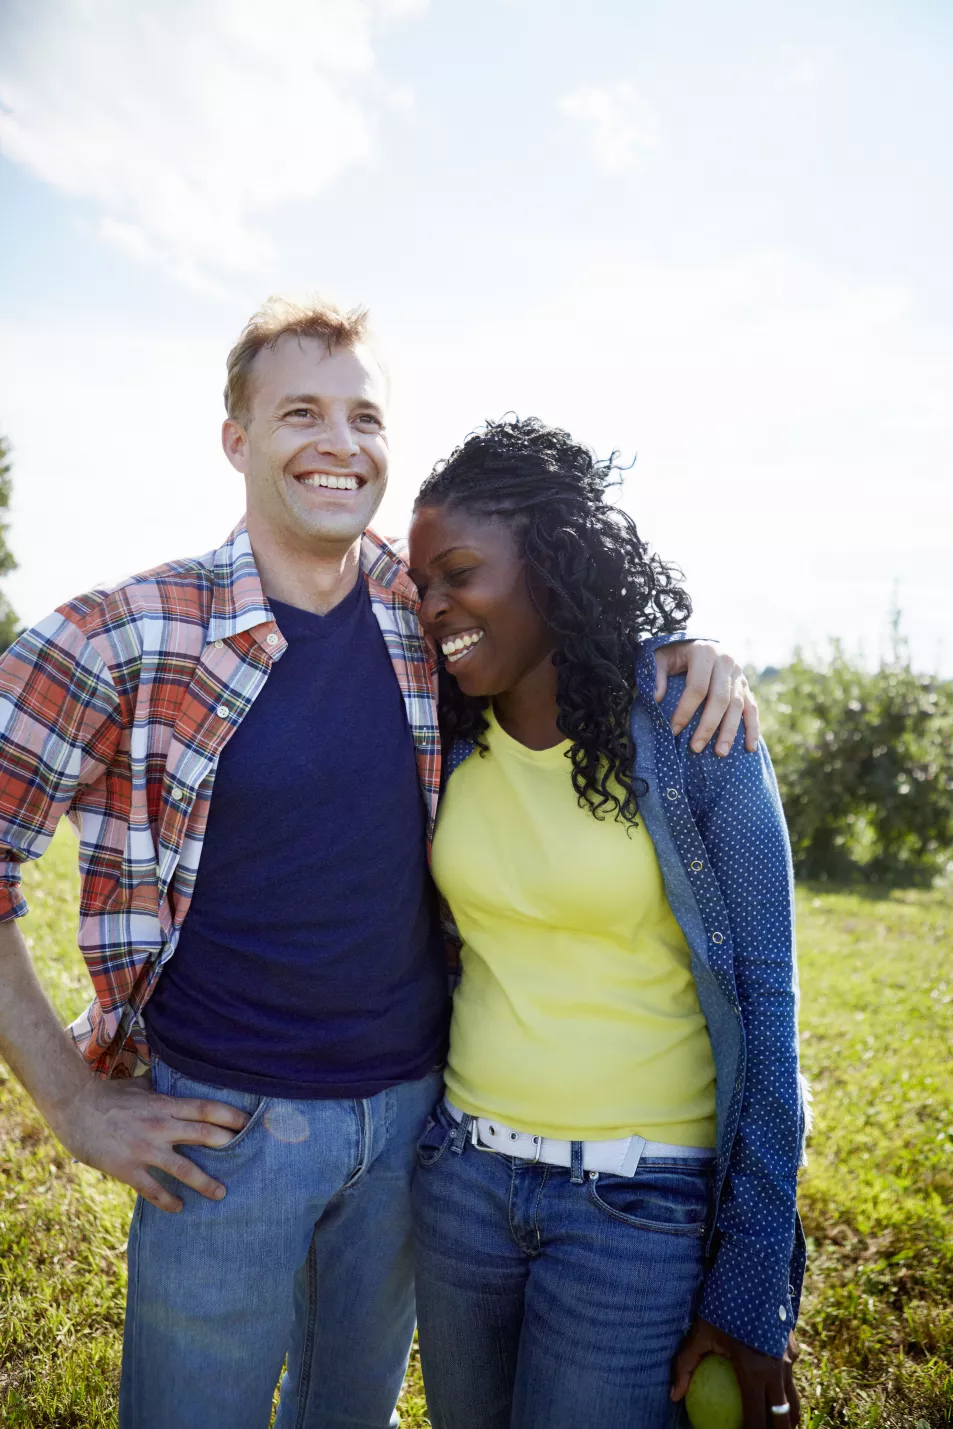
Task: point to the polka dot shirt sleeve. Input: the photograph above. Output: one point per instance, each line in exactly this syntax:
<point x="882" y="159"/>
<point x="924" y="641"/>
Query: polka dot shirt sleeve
<point x="757" y="1244"/>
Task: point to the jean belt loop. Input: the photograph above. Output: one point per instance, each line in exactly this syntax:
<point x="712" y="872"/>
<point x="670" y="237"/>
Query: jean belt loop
<point x="576" y="1176"/>
<point x="461" y="1134"/>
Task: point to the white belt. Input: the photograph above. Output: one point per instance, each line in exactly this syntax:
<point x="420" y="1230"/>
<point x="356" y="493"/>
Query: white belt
<point x="615" y="1158"/>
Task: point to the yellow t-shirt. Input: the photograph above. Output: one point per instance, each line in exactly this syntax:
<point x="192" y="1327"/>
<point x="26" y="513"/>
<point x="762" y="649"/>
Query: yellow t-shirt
<point x="577" y="1015"/>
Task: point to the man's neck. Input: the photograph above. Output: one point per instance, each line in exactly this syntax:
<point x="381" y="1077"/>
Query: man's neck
<point x="315" y="579"/>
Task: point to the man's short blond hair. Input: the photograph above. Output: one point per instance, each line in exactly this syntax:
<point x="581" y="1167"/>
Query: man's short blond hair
<point x="281" y="317"/>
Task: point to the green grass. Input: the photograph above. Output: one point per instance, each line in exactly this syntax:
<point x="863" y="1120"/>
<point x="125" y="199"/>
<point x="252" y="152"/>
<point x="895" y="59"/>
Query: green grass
<point x="877" y="1321"/>
<point x="877" y="1020"/>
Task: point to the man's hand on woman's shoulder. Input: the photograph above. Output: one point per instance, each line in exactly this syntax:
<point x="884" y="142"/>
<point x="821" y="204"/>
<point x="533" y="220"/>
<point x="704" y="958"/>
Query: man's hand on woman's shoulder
<point x="715" y="679"/>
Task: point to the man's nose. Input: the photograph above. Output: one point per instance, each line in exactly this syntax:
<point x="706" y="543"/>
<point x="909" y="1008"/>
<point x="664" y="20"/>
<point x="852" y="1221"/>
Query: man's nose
<point x="338" y="440"/>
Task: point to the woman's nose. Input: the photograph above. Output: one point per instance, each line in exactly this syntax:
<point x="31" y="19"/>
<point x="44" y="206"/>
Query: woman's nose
<point x="433" y="608"/>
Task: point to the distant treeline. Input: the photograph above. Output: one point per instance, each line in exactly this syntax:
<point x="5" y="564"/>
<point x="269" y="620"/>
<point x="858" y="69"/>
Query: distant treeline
<point x="8" y="620"/>
<point x="865" y="764"/>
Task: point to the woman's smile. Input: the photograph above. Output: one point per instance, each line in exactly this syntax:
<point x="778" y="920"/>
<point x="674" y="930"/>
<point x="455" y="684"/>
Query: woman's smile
<point x="456" y="647"/>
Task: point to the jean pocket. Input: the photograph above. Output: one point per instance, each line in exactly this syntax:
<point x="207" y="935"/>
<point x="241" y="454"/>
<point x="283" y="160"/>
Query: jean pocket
<point x="678" y="1202"/>
<point x="437" y="1136"/>
<point x="253" y="1105"/>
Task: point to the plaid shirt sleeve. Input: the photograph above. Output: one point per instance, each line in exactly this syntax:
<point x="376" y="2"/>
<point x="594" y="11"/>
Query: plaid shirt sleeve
<point x="60" y="727"/>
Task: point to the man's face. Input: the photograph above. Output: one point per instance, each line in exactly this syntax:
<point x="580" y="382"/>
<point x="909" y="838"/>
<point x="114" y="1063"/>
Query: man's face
<point x="312" y="448"/>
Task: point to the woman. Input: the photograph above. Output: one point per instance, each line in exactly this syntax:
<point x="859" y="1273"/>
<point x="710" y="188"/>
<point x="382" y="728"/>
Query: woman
<point x="607" y="1191"/>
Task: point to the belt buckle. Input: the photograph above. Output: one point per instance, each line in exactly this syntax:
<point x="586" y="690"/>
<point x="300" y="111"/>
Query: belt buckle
<point x="475" y="1138"/>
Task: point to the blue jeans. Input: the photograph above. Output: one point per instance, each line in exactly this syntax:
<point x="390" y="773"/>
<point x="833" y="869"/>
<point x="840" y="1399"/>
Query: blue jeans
<point x="309" y="1255"/>
<point x="545" y="1303"/>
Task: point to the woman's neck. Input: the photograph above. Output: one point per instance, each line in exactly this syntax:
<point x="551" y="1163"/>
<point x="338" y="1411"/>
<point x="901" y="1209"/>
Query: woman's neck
<point x="528" y="712"/>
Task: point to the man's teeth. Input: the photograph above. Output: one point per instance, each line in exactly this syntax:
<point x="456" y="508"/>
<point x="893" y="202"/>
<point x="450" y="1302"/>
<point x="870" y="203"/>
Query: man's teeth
<point x="336" y="483"/>
<point x="456" y="649"/>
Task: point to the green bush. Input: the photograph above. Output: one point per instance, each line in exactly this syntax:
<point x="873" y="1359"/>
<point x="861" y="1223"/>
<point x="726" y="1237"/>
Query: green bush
<point x="865" y="765"/>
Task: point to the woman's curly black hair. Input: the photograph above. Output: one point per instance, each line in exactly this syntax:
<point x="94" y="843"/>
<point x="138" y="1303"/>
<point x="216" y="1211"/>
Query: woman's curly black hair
<point x="604" y="592"/>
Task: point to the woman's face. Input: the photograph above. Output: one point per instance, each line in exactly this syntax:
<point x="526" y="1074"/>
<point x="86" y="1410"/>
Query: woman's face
<point x="475" y="602"/>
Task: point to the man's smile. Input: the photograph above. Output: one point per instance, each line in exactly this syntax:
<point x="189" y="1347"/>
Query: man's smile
<point x="329" y="482"/>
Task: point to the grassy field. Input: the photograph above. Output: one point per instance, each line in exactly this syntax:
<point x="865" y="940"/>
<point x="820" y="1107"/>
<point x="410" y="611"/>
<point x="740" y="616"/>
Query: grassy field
<point x="877" y="1199"/>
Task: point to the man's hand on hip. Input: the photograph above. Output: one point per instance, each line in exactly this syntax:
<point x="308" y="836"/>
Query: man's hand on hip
<point x="717" y="680"/>
<point x="123" y="1128"/>
<point x="120" y="1127"/>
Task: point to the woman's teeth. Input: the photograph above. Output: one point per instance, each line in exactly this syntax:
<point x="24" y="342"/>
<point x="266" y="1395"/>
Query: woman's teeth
<point x="456" y="649"/>
<point x="336" y="483"/>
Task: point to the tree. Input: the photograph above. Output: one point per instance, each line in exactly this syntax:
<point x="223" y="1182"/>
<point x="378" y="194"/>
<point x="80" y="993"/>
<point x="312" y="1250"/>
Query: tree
<point x="865" y="766"/>
<point x="9" y="624"/>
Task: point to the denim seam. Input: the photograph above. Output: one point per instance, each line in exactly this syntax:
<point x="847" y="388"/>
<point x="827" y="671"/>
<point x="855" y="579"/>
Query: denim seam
<point x="365" y="1144"/>
<point x="543" y="1182"/>
<point x="236" y="1141"/>
<point x="176" y="1077"/>
<point x="517" y="1238"/>
<point x="307" y="1353"/>
<point x="664" y="1227"/>
<point x="132" y="1298"/>
<point x="430" y="1159"/>
<point x="514" y="1234"/>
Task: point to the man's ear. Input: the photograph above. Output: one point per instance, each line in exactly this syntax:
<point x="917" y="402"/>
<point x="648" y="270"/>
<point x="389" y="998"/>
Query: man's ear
<point x="235" y="444"/>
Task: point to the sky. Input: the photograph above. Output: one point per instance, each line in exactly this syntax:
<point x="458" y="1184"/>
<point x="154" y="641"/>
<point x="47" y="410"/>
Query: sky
<point x="714" y="238"/>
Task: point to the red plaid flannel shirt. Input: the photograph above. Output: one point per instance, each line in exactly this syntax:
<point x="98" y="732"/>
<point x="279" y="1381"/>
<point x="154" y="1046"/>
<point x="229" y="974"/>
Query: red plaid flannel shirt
<point x="115" y="709"/>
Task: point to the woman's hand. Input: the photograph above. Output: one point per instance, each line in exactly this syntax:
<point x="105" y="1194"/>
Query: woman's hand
<point x="719" y="680"/>
<point x="764" y="1381"/>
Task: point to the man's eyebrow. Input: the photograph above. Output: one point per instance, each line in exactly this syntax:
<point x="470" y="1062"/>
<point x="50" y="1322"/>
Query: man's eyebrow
<point x="311" y="399"/>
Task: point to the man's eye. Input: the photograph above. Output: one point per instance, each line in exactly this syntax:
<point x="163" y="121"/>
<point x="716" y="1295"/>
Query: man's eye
<point x="298" y="412"/>
<point x="370" y="417"/>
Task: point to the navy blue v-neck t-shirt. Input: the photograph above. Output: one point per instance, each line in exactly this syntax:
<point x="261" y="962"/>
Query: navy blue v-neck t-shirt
<point x="309" y="963"/>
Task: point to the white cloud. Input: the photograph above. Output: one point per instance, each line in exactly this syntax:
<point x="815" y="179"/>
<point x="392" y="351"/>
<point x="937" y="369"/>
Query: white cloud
<point x="621" y="126"/>
<point x="184" y="121"/>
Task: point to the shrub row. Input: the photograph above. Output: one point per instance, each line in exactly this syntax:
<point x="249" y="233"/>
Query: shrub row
<point x="865" y="765"/>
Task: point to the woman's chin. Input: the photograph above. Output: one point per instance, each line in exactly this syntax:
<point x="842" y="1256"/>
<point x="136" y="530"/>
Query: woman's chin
<point x="473" y="683"/>
<point x="473" y="687"/>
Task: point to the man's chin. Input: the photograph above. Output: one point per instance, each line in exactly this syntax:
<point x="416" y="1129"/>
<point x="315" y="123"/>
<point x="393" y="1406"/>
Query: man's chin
<point x="340" y="527"/>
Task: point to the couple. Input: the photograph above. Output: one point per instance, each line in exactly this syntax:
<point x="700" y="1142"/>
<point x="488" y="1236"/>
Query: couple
<point x="601" y="1159"/>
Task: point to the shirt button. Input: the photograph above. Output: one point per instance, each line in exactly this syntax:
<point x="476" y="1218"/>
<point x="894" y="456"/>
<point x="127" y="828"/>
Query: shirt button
<point x="178" y="793"/>
<point x="222" y="711"/>
<point x="696" y="865"/>
<point x="717" y="938"/>
<point x="782" y="1313"/>
<point x="671" y="793"/>
<point x="271" y="638"/>
<point x="220" y="645"/>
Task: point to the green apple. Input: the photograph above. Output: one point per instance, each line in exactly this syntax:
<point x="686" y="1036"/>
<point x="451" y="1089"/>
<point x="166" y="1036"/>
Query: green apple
<point x="713" y="1400"/>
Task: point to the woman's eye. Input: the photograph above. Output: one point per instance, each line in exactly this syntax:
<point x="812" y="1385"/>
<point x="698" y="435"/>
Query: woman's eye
<point x="371" y="418"/>
<point x="298" y="412"/>
<point x="458" y="576"/>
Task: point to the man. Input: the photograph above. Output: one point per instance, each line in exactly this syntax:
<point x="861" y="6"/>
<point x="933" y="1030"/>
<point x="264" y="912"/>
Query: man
<point x="270" y="707"/>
